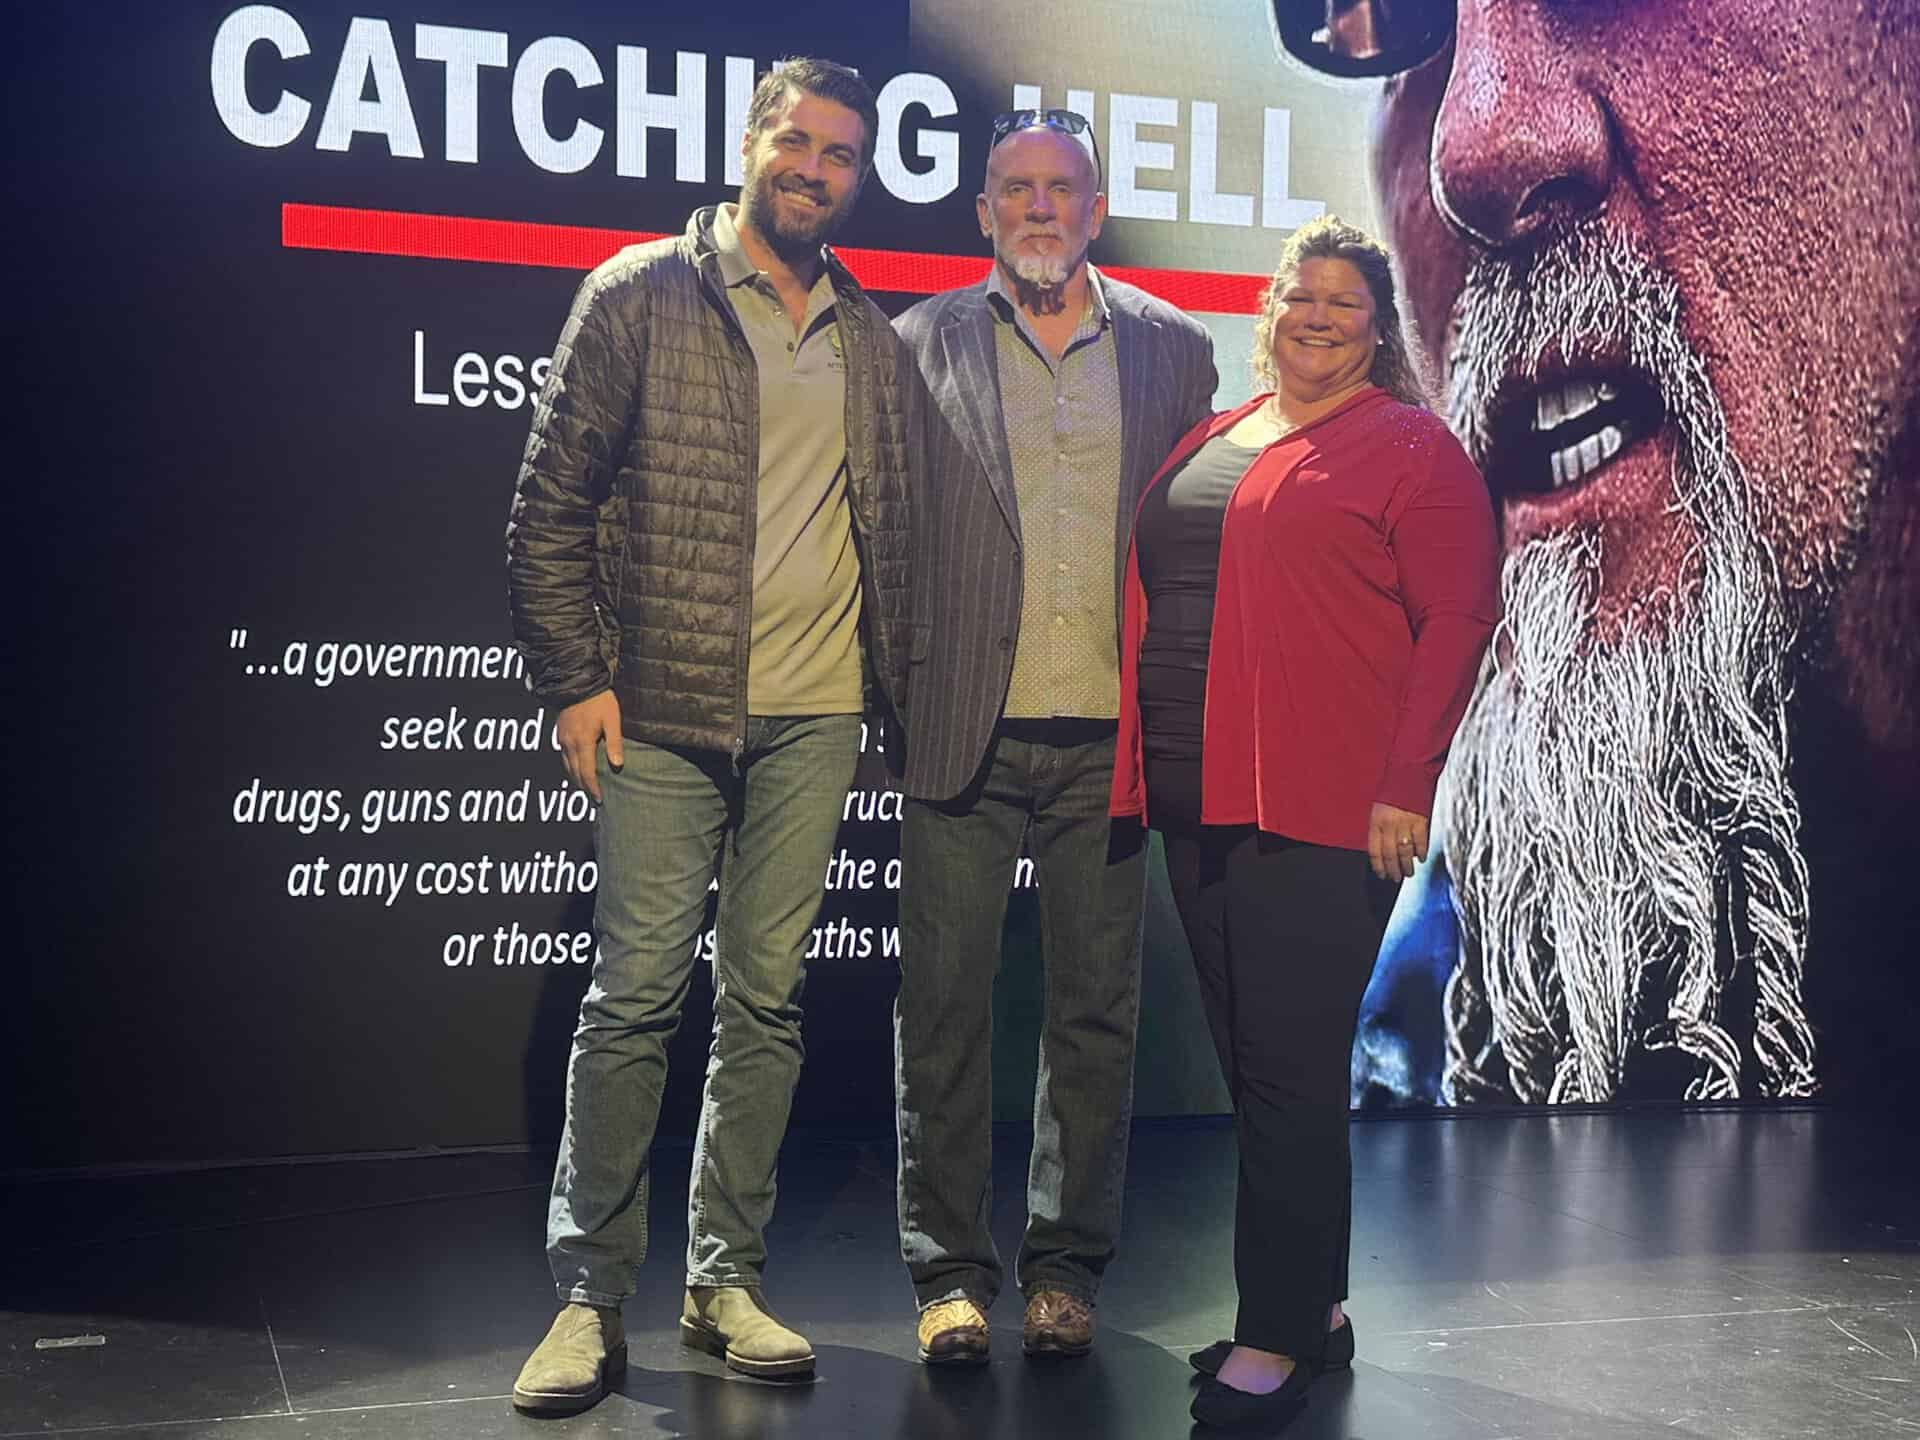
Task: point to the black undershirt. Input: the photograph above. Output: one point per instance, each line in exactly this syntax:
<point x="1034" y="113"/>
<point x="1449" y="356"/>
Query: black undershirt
<point x="1178" y="540"/>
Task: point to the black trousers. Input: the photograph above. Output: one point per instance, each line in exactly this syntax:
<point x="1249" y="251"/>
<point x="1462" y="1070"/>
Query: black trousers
<point x="1284" y="936"/>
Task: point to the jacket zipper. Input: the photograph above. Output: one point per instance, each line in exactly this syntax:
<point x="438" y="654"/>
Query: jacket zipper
<point x="743" y="640"/>
<point x="859" y="410"/>
<point x="750" y="518"/>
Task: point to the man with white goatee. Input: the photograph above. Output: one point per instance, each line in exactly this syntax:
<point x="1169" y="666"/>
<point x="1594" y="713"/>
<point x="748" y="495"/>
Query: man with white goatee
<point x="1061" y="390"/>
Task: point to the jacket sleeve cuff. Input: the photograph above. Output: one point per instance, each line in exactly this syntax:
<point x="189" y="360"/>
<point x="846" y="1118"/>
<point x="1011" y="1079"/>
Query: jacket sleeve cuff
<point x="1410" y="788"/>
<point x="559" y="698"/>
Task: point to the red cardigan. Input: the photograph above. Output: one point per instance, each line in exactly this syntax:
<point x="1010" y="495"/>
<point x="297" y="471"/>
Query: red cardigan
<point x="1358" y="590"/>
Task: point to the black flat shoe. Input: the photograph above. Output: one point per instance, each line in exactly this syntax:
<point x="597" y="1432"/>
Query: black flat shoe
<point x="1339" y="1352"/>
<point x="1338" y="1356"/>
<point x="1230" y="1409"/>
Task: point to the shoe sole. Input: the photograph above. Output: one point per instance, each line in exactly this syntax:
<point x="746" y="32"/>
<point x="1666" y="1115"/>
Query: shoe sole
<point x="543" y="1402"/>
<point x="1049" y="1348"/>
<point x="1251" y="1418"/>
<point x="712" y="1342"/>
<point x="968" y="1354"/>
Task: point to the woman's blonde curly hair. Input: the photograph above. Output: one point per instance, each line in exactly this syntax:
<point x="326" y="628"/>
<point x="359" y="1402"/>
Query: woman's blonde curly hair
<point x="1331" y="238"/>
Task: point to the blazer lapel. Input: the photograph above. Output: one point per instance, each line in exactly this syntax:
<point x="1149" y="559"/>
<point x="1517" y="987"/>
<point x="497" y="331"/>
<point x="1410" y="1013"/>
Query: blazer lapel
<point x="973" y="384"/>
<point x="1136" y="348"/>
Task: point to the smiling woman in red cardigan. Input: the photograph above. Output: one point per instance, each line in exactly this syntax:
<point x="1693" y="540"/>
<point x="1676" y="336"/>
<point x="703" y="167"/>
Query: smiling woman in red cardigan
<point x="1311" y="587"/>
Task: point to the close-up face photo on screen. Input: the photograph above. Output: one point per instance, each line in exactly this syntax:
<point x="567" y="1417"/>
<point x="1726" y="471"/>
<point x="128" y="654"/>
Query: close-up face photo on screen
<point x="1058" y="686"/>
<point x="1667" y="303"/>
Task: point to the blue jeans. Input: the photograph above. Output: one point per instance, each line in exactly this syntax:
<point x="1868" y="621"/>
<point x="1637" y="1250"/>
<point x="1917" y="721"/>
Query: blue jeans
<point x="957" y="866"/>
<point x="670" y="819"/>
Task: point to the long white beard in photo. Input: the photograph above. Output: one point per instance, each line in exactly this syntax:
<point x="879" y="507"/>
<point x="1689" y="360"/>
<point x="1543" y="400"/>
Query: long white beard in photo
<point x="1622" y="837"/>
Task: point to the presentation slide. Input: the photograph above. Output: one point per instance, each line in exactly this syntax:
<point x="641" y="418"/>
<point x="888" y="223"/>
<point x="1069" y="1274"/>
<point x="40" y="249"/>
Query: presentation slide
<point x="298" y="867"/>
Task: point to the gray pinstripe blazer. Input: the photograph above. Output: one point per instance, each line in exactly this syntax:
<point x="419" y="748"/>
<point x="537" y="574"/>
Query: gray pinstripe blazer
<point x="966" y="524"/>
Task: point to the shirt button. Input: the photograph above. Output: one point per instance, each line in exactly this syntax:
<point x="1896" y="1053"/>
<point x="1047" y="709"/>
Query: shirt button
<point x="1062" y="567"/>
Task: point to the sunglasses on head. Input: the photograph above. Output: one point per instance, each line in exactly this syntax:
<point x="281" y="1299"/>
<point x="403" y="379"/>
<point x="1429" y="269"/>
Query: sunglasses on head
<point x="1068" y="122"/>
<point x="1355" y="38"/>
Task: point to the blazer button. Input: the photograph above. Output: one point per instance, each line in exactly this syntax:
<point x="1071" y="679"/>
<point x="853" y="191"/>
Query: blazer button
<point x="1006" y="642"/>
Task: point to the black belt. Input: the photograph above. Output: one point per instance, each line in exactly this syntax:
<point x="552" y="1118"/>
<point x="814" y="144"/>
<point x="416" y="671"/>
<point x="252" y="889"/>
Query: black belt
<point x="1058" y="730"/>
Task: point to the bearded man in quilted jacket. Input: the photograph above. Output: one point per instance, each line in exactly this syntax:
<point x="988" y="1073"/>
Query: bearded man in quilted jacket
<point x="707" y="566"/>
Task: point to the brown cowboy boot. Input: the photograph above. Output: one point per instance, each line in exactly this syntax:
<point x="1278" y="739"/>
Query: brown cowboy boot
<point x="1057" y="1324"/>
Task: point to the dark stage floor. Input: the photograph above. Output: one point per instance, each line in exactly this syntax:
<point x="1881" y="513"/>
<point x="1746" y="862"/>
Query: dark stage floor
<point x="1604" y="1276"/>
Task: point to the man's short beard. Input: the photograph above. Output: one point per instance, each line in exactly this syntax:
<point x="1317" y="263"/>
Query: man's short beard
<point x="1621" y="833"/>
<point x="1042" y="272"/>
<point x="796" y="244"/>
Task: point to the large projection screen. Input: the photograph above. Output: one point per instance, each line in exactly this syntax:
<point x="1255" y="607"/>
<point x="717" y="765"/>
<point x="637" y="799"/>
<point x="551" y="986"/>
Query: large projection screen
<point x="297" y="868"/>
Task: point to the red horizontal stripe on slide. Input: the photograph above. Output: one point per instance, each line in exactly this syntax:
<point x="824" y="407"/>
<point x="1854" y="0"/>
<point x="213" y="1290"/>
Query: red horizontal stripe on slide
<point x="581" y="247"/>
<point x="450" y="237"/>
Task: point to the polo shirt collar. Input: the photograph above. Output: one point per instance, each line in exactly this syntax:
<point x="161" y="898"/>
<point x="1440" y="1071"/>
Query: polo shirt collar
<point x="736" y="267"/>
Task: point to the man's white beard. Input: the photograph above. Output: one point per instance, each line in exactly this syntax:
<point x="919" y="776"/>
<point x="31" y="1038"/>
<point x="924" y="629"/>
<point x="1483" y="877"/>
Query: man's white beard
<point x="1621" y="834"/>
<point x="1043" y="272"/>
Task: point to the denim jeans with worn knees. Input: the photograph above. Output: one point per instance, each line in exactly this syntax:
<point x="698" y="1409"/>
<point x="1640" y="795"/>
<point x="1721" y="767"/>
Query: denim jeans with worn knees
<point x="669" y="819"/>
<point x="958" y="861"/>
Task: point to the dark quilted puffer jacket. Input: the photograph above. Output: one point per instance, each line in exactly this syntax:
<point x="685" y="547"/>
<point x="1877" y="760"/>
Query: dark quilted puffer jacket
<point x="630" y="547"/>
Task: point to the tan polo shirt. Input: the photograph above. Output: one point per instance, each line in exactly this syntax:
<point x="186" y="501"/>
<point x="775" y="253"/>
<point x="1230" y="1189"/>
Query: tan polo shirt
<point x="805" y="655"/>
<point x="1063" y="436"/>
